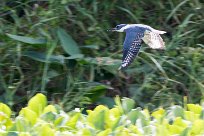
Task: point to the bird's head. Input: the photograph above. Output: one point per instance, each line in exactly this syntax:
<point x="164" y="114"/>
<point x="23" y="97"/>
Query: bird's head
<point x="119" y="28"/>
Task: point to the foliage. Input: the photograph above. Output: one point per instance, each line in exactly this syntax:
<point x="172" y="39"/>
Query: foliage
<point x="62" y="48"/>
<point x="41" y="119"/>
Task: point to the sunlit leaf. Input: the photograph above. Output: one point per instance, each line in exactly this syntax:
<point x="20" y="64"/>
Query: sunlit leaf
<point x="37" y="103"/>
<point x="158" y="113"/>
<point x="99" y="112"/>
<point x="194" y="108"/>
<point x="49" y="108"/>
<point x="73" y="120"/>
<point x="30" y="115"/>
<point x="128" y="104"/>
<point x="5" y="109"/>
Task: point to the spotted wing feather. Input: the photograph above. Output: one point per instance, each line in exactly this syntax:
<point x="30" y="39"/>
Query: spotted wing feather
<point x="131" y="49"/>
<point x="154" y="40"/>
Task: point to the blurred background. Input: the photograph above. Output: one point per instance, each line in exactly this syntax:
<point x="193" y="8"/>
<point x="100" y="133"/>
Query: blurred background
<point x="62" y="48"/>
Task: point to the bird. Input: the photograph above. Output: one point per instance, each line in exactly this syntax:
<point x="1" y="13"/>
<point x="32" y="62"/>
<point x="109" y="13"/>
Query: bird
<point x="135" y="34"/>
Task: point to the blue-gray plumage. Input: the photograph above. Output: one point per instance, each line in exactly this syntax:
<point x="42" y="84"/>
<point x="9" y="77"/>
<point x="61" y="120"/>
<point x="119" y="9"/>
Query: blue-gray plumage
<point x="135" y="33"/>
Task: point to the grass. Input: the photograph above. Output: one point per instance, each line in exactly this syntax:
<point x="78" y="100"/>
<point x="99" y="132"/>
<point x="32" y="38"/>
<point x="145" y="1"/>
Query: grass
<point x="154" y="79"/>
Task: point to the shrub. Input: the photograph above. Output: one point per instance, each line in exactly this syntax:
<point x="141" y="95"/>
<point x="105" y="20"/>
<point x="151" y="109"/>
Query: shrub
<point x="41" y="119"/>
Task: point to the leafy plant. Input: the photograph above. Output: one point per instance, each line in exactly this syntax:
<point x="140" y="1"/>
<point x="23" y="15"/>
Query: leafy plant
<point x="61" y="47"/>
<point x="39" y="118"/>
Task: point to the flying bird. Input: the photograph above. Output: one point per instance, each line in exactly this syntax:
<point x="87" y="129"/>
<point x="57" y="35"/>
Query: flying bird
<point x="135" y="33"/>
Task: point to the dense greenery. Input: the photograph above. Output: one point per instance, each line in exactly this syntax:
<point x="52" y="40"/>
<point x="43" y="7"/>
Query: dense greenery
<point x="61" y="48"/>
<point x="41" y="119"/>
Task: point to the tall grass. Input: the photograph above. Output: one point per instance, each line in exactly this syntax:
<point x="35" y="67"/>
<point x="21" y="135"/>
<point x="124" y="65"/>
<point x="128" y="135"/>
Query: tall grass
<point x="154" y="79"/>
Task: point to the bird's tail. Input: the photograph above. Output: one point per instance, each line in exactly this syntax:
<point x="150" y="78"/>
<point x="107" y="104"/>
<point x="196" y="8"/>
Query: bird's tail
<point x="159" y="32"/>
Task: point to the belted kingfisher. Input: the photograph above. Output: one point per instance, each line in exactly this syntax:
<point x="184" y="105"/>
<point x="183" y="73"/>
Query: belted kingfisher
<point x="135" y="33"/>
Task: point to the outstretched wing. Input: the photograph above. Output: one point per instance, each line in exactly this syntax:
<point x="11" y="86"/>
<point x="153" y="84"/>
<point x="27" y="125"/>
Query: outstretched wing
<point x="153" y="39"/>
<point x="131" y="48"/>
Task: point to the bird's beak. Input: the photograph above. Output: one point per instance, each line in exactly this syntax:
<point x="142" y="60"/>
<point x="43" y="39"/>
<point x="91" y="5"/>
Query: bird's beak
<point x="112" y="29"/>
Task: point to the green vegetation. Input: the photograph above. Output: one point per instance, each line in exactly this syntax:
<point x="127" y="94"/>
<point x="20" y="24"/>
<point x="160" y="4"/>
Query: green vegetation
<point x="41" y="119"/>
<point x="61" y="48"/>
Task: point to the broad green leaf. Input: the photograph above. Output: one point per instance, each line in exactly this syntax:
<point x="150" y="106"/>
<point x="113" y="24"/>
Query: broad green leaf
<point x="113" y="118"/>
<point x="194" y="108"/>
<point x="191" y="116"/>
<point x="175" y="129"/>
<point x="30" y="115"/>
<point x="5" y="120"/>
<point x="177" y="111"/>
<point x="46" y="130"/>
<point x="49" y="117"/>
<point x="67" y="43"/>
<point x="100" y="122"/>
<point x="133" y="116"/>
<point x="5" y="109"/>
<point x="49" y="108"/>
<point x="39" y="56"/>
<point x="73" y="120"/>
<point x="198" y="127"/>
<point x="100" y="112"/>
<point x="180" y="122"/>
<point x="106" y="101"/>
<point x="37" y="103"/>
<point x="28" y="40"/>
<point x="158" y="113"/>
<point x="118" y="104"/>
<point x="127" y="104"/>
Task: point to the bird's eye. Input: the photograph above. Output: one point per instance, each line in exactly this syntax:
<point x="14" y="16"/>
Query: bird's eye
<point x="117" y="26"/>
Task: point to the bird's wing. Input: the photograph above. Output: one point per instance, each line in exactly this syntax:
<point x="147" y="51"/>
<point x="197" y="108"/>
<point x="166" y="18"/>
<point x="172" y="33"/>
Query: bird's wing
<point x="131" y="48"/>
<point x="154" y="40"/>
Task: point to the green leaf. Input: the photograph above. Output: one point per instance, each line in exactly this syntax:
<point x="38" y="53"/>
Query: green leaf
<point x="67" y="43"/>
<point x="39" y="56"/>
<point x="185" y="132"/>
<point x="96" y="118"/>
<point x="49" y="117"/>
<point x="21" y="124"/>
<point x="72" y="122"/>
<point x="37" y="103"/>
<point x="30" y="115"/>
<point x="106" y="101"/>
<point x="99" y="124"/>
<point x="46" y="130"/>
<point x="127" y="104"/>
<point x="49" y="108"/>
<point x="28" y="40"/>
<point x="194" y="108"/>
<point x="5" y="109"/>
<point x="75" y="56"/>
<point x="133" y="115"/>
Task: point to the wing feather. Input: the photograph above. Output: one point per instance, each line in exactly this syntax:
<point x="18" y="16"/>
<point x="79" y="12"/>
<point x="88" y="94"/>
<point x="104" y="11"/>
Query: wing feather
<point x="154" y="40"/>
<point x="131" y="49"/>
